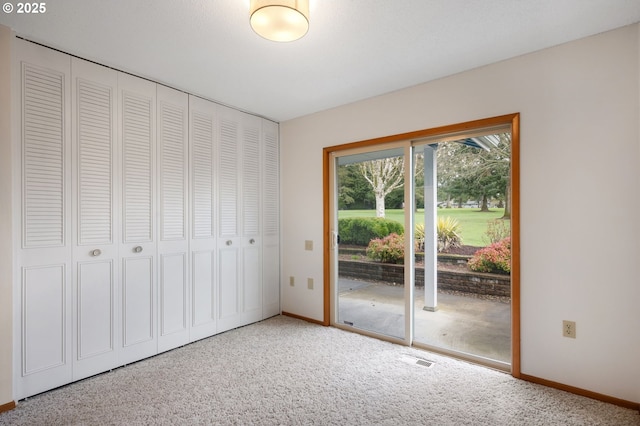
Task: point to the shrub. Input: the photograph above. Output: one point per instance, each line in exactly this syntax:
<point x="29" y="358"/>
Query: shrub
<point x="497" y="230"/>
<point x="448" y="234"/>
<point x="389" y="249"/>
<point x="419" y="236"/>
<point x="360" y="230"/>
<point x="495" y="258"/>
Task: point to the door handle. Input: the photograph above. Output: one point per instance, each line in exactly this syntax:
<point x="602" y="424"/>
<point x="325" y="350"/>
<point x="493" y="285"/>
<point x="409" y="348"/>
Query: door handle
<point x="96" y="252"/>
<point x="137" y="249"/>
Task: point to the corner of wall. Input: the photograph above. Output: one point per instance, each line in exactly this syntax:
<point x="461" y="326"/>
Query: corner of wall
<point x="6" y="252"/>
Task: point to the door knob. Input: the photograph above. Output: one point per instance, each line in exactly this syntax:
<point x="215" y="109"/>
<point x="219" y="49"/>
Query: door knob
<point x="229" y="242"/>
<point x="137" y="249"/>
<point x="252" y="241"/>
<point x="96" y="252"/>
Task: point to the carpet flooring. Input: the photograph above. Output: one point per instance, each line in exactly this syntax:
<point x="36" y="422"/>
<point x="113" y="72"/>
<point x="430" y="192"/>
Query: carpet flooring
<point x="284" y="371"/>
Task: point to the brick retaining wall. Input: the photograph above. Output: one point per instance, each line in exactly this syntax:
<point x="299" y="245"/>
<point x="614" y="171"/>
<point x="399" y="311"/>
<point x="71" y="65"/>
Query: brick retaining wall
<point x="469" y="282"/>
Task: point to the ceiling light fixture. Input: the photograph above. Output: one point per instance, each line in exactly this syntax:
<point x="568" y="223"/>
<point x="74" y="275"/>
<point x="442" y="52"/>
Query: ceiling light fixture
<point x="280" y="20"/>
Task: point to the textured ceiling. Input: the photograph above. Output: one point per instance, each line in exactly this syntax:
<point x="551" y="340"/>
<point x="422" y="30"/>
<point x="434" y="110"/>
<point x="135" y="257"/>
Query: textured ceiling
<point x="355" y="49"/>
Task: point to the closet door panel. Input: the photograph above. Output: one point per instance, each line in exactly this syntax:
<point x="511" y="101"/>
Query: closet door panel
<point x="42" y="155"/>
<point x="203" y="292"/>
<point x="138" y="247"/>
<point x="204" y="255"/>
<point x="95" y="306"/>
<point x="173" y="244"/>
<point x="251" y="174"/>
<point x="229" y="195"/>
<point x="270" y="219"/>
<point x="44" y="322"/>
<point x="230" y="303"/>
<point x="95" y="251"/>
<point x="174" y="310"/>
<point x="271" y="279"/>
<point x="138" y="304"/>
<point x="252" y="283"/>
<point x="229" y="220"/>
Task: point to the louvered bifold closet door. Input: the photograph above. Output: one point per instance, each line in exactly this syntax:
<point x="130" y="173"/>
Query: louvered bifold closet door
<point x="42" y="155"/>
<point x="229" y="307"/>
<point x="202" y="149"/>
<point x="96" y="330"/>
<point x="173" y="245"/>
<point x="250" y="133"/>
<point x="270" y="219"/>
<point x="138" y="247"/>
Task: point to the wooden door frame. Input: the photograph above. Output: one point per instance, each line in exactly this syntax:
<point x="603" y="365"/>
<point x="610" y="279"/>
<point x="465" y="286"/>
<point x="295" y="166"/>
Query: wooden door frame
<point x="512" y="120"/>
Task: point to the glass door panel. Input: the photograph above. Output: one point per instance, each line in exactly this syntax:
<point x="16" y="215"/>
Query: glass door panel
<point x="461" y="205"/>
<point x="369" y="287"/>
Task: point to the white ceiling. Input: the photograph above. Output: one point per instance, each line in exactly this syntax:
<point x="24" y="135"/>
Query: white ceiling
<point x="355" y="49"/>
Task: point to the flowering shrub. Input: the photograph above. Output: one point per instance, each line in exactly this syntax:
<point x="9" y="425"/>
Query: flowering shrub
<point x="389" y="249"/>
<point x="495" y="258"/>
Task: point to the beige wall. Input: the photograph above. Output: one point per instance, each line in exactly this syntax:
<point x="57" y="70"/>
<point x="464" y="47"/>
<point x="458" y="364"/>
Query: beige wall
<point x="580" y="174"/>
<point x="6" y="258"/>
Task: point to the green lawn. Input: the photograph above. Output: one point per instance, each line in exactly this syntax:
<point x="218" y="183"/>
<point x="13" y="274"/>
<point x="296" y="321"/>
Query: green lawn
<point x="473" y="223"/>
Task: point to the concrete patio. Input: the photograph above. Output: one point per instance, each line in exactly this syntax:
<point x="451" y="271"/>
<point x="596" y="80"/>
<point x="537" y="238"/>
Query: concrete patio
<point x="468" y="324"/>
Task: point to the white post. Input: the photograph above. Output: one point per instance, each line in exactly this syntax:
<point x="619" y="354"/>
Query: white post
<point x="430" y="230"/>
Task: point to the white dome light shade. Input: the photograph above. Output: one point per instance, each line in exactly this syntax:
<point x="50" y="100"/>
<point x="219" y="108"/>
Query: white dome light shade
<point x="280" y="20"/>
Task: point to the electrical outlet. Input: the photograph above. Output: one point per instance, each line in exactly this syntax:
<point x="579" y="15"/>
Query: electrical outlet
<point x="310" y="283"/>
<point x="292" y="281"/>
<point x="308" y="245"/>
<point x="569" y="329"/>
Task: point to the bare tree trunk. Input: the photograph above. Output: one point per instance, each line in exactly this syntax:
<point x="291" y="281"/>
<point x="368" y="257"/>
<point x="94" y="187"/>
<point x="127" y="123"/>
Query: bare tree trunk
<point x="380" y="206"/>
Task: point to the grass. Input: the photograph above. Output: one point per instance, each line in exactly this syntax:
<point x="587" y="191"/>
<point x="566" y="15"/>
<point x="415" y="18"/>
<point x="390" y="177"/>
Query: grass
<point x="473" y="222"/>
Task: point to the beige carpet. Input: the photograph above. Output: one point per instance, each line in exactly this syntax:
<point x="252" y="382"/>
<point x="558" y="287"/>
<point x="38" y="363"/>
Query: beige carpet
<point x="284" y="371"/>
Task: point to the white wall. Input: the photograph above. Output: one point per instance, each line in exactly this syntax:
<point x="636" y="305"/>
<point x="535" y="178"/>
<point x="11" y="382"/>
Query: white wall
<point x="580" y="203"/>
<point x="6" y="258"/>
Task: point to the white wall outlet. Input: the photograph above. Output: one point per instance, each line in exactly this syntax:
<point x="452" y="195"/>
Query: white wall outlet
<point x="292" y="281"/>
<point x="569" y="329"/>
<point x="308" y="245"/>
<point x="310" y="283"/>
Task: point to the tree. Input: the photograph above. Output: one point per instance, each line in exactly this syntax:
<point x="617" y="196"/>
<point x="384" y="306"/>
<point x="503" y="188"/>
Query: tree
<point x="354" y="192"/>
<point x="466" y="172"/>
<point x="384" y="175"/>
<point x="496" y="168"/>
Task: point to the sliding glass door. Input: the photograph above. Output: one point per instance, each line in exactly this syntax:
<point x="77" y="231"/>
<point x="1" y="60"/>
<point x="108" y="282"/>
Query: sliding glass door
<point x="415" y="228"/>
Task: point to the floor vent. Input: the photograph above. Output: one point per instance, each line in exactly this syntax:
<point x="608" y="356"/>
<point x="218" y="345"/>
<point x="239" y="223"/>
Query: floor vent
<point x="348" y="323"/>
<point x="411" y="359"/>
<point x="424" y="363"/>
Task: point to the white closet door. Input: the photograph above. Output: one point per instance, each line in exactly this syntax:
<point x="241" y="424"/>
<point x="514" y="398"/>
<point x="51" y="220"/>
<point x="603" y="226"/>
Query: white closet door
<point x="138" y="248"/>
<point x="42" y="296"/>
<point x="229" y="237"/>
<point x="251" y="174"/>
<point x="271" y="219"/>
<point x="173" y="244"/>
<point x="204" y="295"/>
<point x="95" y="251"/>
